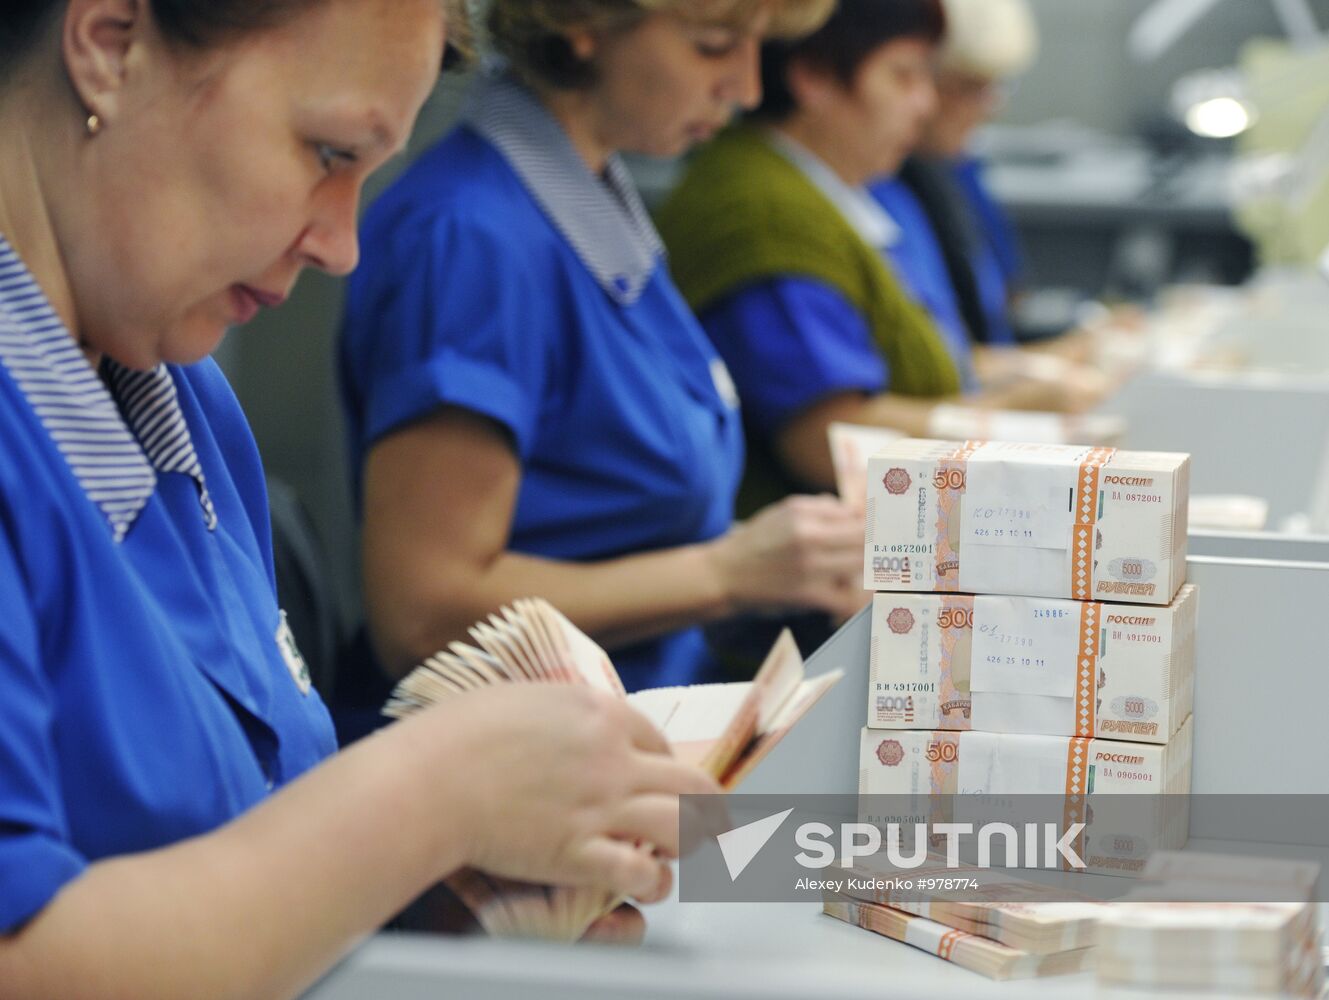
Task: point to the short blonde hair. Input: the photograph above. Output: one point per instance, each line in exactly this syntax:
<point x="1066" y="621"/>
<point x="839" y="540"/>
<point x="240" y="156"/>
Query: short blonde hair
<point x="992" y="39"/>
<point x="532" y="34"/>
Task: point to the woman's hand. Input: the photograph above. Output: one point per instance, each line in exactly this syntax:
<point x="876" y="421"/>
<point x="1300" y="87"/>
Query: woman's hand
<point x="560" y="784"/>
<point x="623" y="926"/>
<point x="803" y="552"/>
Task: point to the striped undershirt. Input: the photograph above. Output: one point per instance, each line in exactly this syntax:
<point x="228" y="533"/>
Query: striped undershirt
<point x="117" y="435"/>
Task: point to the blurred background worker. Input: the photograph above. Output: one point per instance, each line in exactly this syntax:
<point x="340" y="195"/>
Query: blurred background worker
<point x="987" y="44"/>
<point x="795" y="268"/>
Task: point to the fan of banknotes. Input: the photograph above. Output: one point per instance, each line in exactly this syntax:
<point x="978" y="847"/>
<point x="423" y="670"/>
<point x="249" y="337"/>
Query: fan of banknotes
<point x="723" y="728"/>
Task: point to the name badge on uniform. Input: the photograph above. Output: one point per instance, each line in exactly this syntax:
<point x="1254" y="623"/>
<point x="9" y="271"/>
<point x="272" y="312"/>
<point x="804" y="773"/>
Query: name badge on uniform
<point x="724" y="384"/>
<point x="290" y="653"/>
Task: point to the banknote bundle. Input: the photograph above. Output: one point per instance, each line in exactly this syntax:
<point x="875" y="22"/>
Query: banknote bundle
<point x="725" y="729"/>
<point x="945" y="762"/>
<point x="988" y="903"/>
<point x="1034" y="665"/>
<point x="1202" y="921"/>
<point x="853" y="444"/>
<point x="968" y="423"/>
<point x="970" y="951"/>
<point x="1027" y="520"/>
<point x="851" y="447"/>
<point x="1228" y="512"/>
<point x="1245" y="947"/>
<point x="1130" y="796"/>
<point x="1199" y="876"/>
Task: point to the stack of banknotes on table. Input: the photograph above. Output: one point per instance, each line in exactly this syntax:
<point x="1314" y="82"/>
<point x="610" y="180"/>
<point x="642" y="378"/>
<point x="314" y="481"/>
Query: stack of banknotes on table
<point x="1216" y="938"/>
<point x="970" y="951"/>
<point x="993" y="923"/>
<point x="1232" y="948"/>
<point x="1032" y="633"/>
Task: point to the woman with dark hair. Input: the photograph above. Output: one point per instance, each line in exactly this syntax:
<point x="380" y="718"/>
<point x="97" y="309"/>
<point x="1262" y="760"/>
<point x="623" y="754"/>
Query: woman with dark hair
<point x="793" y="266"/>
<point x="550" y="419"/>
<point x="173" y="821"/>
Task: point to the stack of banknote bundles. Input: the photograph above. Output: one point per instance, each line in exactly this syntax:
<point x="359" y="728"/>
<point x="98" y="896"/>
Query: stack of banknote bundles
<point x="1198" y="926"/>
<point x="1032" y="634"/>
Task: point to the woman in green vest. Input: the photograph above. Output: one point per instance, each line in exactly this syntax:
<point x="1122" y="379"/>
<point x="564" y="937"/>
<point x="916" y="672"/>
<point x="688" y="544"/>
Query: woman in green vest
<point x="785" y="255"/>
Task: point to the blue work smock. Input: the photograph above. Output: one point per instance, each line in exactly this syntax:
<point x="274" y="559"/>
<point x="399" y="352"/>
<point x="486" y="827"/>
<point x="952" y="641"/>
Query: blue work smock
<point x="995" y="257"/>
<point x="918" y="259"/>
<point x="149" y="689"/>
<point x="501" y="276"/>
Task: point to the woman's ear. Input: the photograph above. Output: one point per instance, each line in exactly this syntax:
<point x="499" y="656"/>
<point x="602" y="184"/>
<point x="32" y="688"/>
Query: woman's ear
<point x="811" y="86"/>
<point x="97" y="43"/>
<point x="583" y="43"/>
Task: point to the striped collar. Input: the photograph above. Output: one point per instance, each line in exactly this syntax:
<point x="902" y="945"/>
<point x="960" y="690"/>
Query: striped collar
<point x="116" y="441"/>
<point x="602" y="218"/>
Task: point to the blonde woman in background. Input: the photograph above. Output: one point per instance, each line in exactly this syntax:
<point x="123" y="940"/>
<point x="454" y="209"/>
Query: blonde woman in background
<point x="549" y="418"/>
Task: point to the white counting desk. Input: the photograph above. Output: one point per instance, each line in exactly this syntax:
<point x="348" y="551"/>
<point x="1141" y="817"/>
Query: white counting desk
<point x="1259" y="545"/>
<point x="1260" y="670"/>
<point x="1262" y="435"/>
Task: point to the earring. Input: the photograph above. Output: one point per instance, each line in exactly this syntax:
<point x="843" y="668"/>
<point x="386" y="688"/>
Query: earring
<point x="94" y="124"/>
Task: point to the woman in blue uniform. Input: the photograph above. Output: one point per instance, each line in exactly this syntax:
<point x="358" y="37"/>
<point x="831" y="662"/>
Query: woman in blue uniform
<point x="172" y="820"/>
<point x="533" y="409"/>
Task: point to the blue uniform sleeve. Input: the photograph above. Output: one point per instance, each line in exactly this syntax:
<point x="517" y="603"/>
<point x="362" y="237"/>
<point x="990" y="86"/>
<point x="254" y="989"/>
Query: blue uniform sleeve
<point x="446" y="314"/>
<point x="791" y="342"/>
<point x="36" y="860"/>
<point x="996" y="225"/>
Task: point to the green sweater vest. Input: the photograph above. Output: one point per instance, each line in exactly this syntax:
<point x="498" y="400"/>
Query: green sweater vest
<point x="744" y="214"/>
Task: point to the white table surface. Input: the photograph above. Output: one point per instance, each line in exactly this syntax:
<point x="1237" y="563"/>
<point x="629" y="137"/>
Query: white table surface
<point x="1255" y="645"/>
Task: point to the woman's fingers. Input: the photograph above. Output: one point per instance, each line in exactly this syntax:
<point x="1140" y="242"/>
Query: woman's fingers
<point x="619" y="867"/>
<point x="625" y="925"/>
<point x="641" y="731"/>
<point x="653" y="773"/>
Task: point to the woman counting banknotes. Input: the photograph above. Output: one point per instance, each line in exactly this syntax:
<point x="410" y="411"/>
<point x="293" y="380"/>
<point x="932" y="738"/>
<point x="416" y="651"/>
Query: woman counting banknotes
<point x="172" y="819"/>
<point x="533" y="408"/>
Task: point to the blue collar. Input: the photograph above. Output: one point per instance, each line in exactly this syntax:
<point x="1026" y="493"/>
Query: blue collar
<point x="602" y="218"/>
<point x="116" y="441"/>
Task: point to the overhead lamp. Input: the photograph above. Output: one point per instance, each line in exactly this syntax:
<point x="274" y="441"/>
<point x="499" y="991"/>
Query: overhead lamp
<point x="1213" y="104"/>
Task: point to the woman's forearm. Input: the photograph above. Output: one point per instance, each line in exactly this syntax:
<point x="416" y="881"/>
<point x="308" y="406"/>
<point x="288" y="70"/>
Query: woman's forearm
<point x="261" y="906"/>
<point x="438" y="554"/>
<point x="618" y="601"/>
<point x="804" y="443"/>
